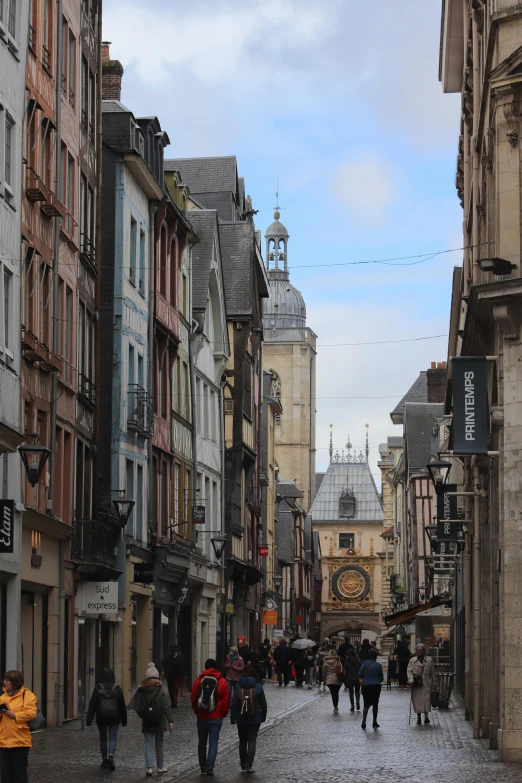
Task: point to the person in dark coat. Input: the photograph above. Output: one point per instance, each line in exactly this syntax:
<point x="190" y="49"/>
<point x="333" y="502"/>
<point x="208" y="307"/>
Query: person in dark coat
<point x="371" y="676"/>
<point x="282" y="657"/>
<point x="364" y="650"/>
<point x="244" y="650"/>
<point x="151" y="696"/>
<point x="403" y="658"/>
<point x="172" y="670"/>
<point x="107" y="705"/>
<point x="299" y="665"/>
<point x="257" y="666"/>
<point x="264" y="657"/>
<point x="248" y="711"/>
<point x="352" y="664"/>
<point x="343" y="649"/>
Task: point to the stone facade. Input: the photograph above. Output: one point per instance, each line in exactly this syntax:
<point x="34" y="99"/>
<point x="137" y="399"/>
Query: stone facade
<point x="481" y="57"/>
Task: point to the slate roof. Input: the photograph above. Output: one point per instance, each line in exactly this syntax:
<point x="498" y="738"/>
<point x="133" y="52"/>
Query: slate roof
<point x="395" y="442"/>
<point x="113" y="107"/>
<point x="204" y="222"/>
<point x="355" y="476"/>
<point x="237" y="247"/>
<point x="288" y="489"/>
<point x="207" y="175"/>
<point x="318" y="481"/>
<point x="419" y="421"/>
<point x="416" y="393"/>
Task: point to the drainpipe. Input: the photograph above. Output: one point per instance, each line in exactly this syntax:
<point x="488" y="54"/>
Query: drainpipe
<point x="57" y="330"/>
<point x="468" y="612"/>
<point x="224" y="581"/>
<point x="476" y="602"/>
<point x="192" y="371"/>
<point x="475" y="156"/>
<point x="153" y="208"/>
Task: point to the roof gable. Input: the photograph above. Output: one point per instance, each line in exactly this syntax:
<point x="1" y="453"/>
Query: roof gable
<point x="207" y="175"/>
<point x="418" y="392"/>
<point x="419" y="421"/>
<point x="355" y="477"/>
<point x="205" y="225"/>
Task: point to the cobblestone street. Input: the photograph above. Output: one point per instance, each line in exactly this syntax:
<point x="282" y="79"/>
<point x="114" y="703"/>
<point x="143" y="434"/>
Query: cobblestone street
<point x="302" y="741"/>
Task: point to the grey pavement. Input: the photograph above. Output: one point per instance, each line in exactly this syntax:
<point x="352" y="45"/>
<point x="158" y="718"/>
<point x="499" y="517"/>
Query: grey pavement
<point x="302" y="741"/>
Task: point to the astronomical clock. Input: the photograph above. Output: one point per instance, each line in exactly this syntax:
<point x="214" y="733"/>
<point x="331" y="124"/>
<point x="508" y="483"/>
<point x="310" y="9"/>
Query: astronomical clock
<point x="351" y="583"/>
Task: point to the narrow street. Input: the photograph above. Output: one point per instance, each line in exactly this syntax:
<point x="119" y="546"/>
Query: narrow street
<point x="302" y="741"/>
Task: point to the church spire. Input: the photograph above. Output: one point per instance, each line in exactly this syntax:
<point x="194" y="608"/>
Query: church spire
<point x="367" y="446"/>
<point x="331" y="442"/>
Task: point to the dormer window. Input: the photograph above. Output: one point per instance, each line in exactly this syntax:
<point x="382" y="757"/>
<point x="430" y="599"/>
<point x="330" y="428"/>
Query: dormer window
<point x="347" y="505"/>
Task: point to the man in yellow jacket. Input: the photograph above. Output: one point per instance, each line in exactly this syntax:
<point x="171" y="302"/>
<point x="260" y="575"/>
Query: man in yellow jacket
<point x="17" y="709"/>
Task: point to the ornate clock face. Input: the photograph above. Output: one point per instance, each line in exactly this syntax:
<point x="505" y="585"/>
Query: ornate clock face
<point x="351" y="582"/>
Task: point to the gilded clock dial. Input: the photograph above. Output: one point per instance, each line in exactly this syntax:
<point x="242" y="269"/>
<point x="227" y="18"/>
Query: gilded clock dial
<point x="351" y="583"/>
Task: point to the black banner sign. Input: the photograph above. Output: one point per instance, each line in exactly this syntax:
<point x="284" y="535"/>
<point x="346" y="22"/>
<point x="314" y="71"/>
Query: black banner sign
<point x="442" y="560"/>
<point x="447" y="509"/>
<point x="198" y="515"/>
<point x="144" y="573"/>
<point x="6" y="527"/>
<point x="470" y="405"/>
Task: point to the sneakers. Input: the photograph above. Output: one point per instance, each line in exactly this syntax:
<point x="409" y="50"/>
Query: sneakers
<point x="336" y="709"/>
<point x="162" y="770"/>
<point x="104" y="764"/>
<point x="210" y="773"/>
<point x="110" y="763"/>
<point x="203" y="770"/>
<point x="251" y="770"/>
<point x="149" y="772"/>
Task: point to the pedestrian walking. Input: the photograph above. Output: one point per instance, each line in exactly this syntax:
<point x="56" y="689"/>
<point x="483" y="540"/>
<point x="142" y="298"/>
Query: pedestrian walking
<point x="403" y="653"/>
<point x="343" y="649"/>
<point x="17" y="709"/>
<point x="248" y="711"/>
<point x="244" y="650"/>
<point x="352" y="666"/>
<point x="333" y="674"/>
<point x="421" y="677"/>
<point x="371" y="676"/>
<point x="210" y="700"/>
<point x="258" y="668"/>
<point x="309" y="663"/>
<point x="319" y="661"/>
<point x="107" y="705"/>
<point x="172" y="670"/>
<point x="153" y="706"/>
<point x="282" y="657"/>
<point x="364" y="650"/>
<point x="234" y="666"/>
<point x="264" y="657"/>
<point x="299" y="665"/>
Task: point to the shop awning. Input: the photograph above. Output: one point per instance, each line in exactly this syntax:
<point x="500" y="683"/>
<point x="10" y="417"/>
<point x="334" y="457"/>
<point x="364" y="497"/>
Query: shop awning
<point x="401" y="618"/>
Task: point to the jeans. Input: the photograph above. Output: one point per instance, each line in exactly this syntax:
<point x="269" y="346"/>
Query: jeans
<point x="355" y="686"/>
<point x="334" y="692"/>
<point x="231" y="685"/>
<point x="208" y="730"/>
<point x="13" y="764"/>
<point x="308" y="674"/>
<point x="151" y="738"/>
<point x="247" y="733"/>
<point x="283" y="673"/>
<point x="112" y="730"/>
<point x="299" y="674"/>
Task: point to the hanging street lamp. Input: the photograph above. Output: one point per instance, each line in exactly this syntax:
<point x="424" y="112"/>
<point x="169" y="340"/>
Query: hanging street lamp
<point x="34" y="458"/>
<point x="439" y="471"/>
<point x="218" y="544"/>
<point x="123" y="506"/>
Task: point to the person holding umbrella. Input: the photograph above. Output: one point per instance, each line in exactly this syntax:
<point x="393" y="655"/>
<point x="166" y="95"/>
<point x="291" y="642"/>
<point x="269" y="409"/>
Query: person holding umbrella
<point x="299" y="647"/>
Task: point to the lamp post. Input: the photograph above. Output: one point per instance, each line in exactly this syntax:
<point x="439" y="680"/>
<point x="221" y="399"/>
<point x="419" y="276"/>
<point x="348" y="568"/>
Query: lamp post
<point x="439" y="471"/>
<point x="277" y="579"/>
<point x="123" y="506"/>
<point x="218" y="545"/>
<point x="34" y="458"/>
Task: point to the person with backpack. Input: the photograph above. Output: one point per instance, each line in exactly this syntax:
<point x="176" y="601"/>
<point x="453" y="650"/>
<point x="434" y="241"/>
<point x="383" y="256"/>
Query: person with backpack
<point x="248" y="711"/>
<point x="152" y="704"/>
<point x="107" y="705"/>
<point x="210" y="700"/>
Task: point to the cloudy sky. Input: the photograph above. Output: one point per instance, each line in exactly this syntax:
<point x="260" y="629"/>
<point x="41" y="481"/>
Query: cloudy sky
<point x="341" y="101"/>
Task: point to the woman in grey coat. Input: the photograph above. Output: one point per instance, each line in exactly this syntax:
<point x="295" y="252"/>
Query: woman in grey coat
<point x="421" y="678"/>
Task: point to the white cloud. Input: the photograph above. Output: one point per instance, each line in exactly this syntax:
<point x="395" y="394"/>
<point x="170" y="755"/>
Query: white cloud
<point x="367" y="186"/>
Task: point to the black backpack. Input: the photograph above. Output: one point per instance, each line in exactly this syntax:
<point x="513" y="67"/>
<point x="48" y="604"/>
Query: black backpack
<point x="149" y="709"/>
<point x="206" y="695"/>
<point x="248" y="702"/>
<point x="107" y="709"/>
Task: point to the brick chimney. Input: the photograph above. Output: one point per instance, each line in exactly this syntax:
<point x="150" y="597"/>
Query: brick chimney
<point x="112" y="71"/>
<point x="436" y="377"/>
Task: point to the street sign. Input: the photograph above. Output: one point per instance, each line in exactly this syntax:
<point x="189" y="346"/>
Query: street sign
<point x="447" y="509"/>
<point x="470" y="405"/>
<point x="198" y="515"/>
<point x="230" y="608"/>
<point x="299" y="619"/>
<point x="99" y="597"/>
<point x="270" y="617"/>
<point x="6" y="527"/>
<point x="144" y="573"/>
<point x="401" y="630"/>
<point x="262" y="551"/>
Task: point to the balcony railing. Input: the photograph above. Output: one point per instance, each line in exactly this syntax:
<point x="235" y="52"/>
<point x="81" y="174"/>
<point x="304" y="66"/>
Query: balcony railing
<point x="140" y="414"/>
<point x="86" y="388"/>
<point x="95" y="543"/>
<point x="87" y="252"/>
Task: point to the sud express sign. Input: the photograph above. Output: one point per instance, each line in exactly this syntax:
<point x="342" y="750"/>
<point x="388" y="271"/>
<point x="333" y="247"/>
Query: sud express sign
<point x="99" y="598"/>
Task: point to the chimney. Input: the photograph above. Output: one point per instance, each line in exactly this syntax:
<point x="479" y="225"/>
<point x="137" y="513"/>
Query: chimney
<point x="112" y="71"/>
<point x="436" y="377"/>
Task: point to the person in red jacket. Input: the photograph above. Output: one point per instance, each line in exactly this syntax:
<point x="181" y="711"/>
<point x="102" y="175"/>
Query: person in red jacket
<point x="210" y="700"/>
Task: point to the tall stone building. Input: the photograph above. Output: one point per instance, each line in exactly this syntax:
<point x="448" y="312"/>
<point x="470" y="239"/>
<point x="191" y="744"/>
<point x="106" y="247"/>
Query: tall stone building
<point x="481" y="58"/>
<point x="289" y="352"/>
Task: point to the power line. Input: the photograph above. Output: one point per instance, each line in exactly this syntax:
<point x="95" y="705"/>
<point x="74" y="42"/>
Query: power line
<point x="384" y="342"/>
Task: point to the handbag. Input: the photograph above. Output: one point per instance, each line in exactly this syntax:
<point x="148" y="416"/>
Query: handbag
<point x="417" y="682"/>
<point x="38" y="722"/>
<point x="339" y="670"/>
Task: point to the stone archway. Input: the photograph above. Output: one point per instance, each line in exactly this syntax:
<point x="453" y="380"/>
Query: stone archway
<point x="331" y="626"/>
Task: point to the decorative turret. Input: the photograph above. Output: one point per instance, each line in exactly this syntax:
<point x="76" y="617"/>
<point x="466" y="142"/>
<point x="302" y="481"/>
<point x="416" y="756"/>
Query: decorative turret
<point x="285" y="308"/>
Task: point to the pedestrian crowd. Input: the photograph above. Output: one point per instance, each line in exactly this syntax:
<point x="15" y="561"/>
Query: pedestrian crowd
<point x="236" y="689"/>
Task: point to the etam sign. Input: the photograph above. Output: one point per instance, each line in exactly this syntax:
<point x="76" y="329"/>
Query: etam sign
<point x="99" y="598"/>
<point x="470" y="405"/>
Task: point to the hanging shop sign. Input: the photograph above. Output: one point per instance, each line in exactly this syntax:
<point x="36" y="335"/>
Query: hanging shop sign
<point x="446" y="510"/>
<point x="144" y="573"/>
<point x="442" y="556"/>
<point x="99" y="597"/>
<point x="198" y="515"/>
<point x="6" y="527"/>
<point x="230" y="608"/>
<point x="470" y="405"/>
<point x="270" y="617"/>
<point x="262" y="551"/>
